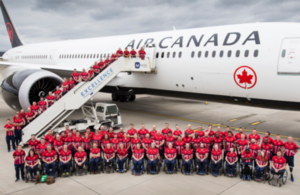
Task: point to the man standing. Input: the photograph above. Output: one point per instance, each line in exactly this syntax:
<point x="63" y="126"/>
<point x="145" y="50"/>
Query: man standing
<point x="9" y="129"/>
<point x="18" y="123"/>
<point x="290" y="151"/>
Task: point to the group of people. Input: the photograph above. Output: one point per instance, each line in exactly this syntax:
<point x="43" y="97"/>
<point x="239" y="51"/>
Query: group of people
<point x="204" y="147"/>
<point x="22" y="118"/>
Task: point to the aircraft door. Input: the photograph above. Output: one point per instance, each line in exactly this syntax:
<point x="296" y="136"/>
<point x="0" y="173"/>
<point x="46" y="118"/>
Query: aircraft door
<point x="150" y="53"/>
<point x="53" y="57"/>
<point x="289" y="59"/>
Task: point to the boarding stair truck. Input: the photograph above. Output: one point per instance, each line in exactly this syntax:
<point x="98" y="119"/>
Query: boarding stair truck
<point x="83" y="92"/>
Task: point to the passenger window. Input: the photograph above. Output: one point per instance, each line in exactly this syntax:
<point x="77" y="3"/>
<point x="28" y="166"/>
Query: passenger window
<point x="97" y="56"/>
<point x="283" y="53"/>
<point x="221" y="53"/>
<point x="162" y="54"/>
<point x="237" y="53"/>
<point x="246" y="53"/>
<point x="206" y="54"/>
<point x="229" y="54"/>
<point x="255" y="53"/>
<point x="192" y="54"/>
<point x="213" y="54"/>
<point x="168" y="54"/>
<point x="75" y="56"/>
<point x="179" y="55"/>
<point x="199" y="54"/>
<point x="174" y="54"/>
<point x="104" y="55"/>
<point x="157" y="54"/>
<point x="94" y="55"/>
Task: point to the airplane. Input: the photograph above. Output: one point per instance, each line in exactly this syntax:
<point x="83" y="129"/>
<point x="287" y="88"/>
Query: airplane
<point x="256" y="64"/>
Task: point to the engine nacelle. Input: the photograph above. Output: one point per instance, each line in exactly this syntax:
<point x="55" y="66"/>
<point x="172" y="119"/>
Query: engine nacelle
<point x="23" y="87"/>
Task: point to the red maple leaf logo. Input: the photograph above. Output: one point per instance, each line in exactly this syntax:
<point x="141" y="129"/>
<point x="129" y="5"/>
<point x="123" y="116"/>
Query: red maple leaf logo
<point x="245" y="78"/>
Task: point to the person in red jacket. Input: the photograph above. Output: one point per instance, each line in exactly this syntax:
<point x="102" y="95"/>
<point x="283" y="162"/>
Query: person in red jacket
<point x="76" y="76"/>
<point x="262" y="164"/>
<point x="65" y="86"/>
<point x="127" y="144"/>
<point x="199" y="131"/>
<point x="108" y="155"/>
<point x="170" y="156"/>
<point x="105" y="141"/>
<point x="201" y="159"/>
<point x="159" y="141"/>
<point x="119" y="52"/>
<point x="96" y="68"/>
<point x="49" y="137"/>
<point x="84" y="75"/>
<point x="41" y="147"/>
<point x="254" y="148"/>
<point x="166" y="130"/>
<point x="231" y="159"/>
<point x="31" y="163"/>
<point x="77" y="142"/>
<point x="133" y="53"/>
<point x="225" y="133"/>
<point x="88" y="131"/>
<point x="30" y="115"/>
<point x="113" y="57"/>
<point x="207" y="141"/>
<point x="111" y="133"/>
<point x="189" y="130"/>
<point x="267" y="136"/>
<point x="153" y="132"/>
<point x="101" y="65"/>
<point x="229" y="142"/>
<point x="241" y="146"/>
<point x="18" y="123"/>
<point x="153" y="156"/>
<point x="19" y="161"/>
<point x="49" y="158"/>
<point x="239" y="134"/>
<point x="138" y="159"/>
<point x="91" y="73"/>
<point x="177" y="132"/>
<point x="187" y="138"/>
<point x="142" y="53"/>
<point x="97" y="137"/>
<point x="142" y="132"/>
<point x="34" y="107"/>
<point x="69" y="141"/>
<point x="146" y="143"/>
<point x="95" y="158"/>
<point x="107" y="61"/>
<point x="247" y="157"/>
<point x="219" y="132"/>
<point x="86" y="144"/>
<point x="122" y="154"/>
<point x="115" y="142"/>
<point x="278" y="163"/>
<point x="218" y="140"/>
<point x="80" y="159"/>
<point x="126" y="53"/>
<point x="291" y="150"/>
<point x="187" y="157"/>
<point x="58" y="93"/>
<point x="266" y="147"/>
<point x="196" y="144"/>
<point x="121" y="134"/>
<point x="131" y="131"/>
<point x="42" y="104"/>
<point x="179" y="146"/>
<point x="58" y="144"/>
<point x="170" y="139"/>
<point x="255" y="136"/>
<point x="33" y="143"/>
<point x="65" y="157"/>
<point x="72" y="83"/>
<point x="216" y="160"/>
<point x="210" y="132"/>
<point x="277" y="145"/>
<point x="50" y="99"/>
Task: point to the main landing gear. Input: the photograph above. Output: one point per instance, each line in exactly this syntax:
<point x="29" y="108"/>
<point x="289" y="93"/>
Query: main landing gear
<point x="122" y="98"/>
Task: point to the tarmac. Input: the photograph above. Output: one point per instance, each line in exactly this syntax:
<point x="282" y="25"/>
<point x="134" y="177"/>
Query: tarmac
<point x="156" y="110"/>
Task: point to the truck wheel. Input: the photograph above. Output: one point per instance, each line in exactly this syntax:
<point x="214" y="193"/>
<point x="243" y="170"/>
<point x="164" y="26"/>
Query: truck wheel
<point x="114" y="97"/>
<point x="131" y="98"/>
<point x="122" y="98"/>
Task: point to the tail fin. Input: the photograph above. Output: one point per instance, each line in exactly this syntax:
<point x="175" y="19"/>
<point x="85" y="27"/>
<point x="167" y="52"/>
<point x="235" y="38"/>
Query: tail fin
<point x="11" y="29"/>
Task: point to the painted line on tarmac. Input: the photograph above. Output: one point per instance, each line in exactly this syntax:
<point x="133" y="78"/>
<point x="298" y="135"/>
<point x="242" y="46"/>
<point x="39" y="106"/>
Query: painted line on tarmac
<point x="257" y="122"/>
<point x="202" y="122"/>
<point x="242" y="117"/>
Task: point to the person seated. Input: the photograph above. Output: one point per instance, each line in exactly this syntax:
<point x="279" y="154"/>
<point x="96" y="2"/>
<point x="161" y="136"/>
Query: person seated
<point x="80" y="158"/>
<point x="65" y="157"/>
<point x="138" y="157"/>
<point x="113" y="57"/>
<point x="31" y="163"/>
<point x="96" y="68"/>
<point x="126" y="53"/>
<point x="84" y="75"/>
<point x="133" y="53"/>
<point x="50" y="99"/>
<point x="119" y="52"/>
<point x="58" y="93"/>
<point x="76" y="76"/>
<point x="201" y="155"/>
<point x="42" y="104"/>
<point x="170" y="157"/>
<point x="216" y="160"/>
<point x="153" y="156"/>
<point x="49" y="157"/>
<point x="108" y="155"/>
<point x="71" y="83"/>
<point x="262" y="163"/>
<point x="187" y="156"/>
<point x="91" y="73"/>
<point x="278" y="164"/>
<point x="30" y="115"/>
<point x="106" y="62"/>
<point x="122" y="154"/>
<point x="101" y="65"/>
<point x="142" y="53"/>
<point x="65" y="86"/>
<point x="34" y="107"/>
<point x="231" y="159"/>
<point x="247" y="158"/>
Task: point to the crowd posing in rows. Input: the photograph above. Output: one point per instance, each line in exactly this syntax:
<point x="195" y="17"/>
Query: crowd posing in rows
<point x="207" y="148"/>
<point x="22" y="118"/>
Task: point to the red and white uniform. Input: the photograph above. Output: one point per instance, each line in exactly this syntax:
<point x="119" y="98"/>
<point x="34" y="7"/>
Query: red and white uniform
<point x="238" y="136"/>
<point x="187" y="154"/>
<point x="152" y="134"/>
<point x="170" y="153"/>
<point x="216" y="154"/>
<point x="30" y="114"/>
<point x="95" y="151"/>
<point x="86" y="143"/>
<point x="71" y="84"/>
<point x="231" y="156"/>
<point x="230" y="141"/>
<point x="49" y="156"/>
<point x="111" y="135"/>
<point x="104" y="143"/>
<point x="147" y="142"/>
<point x="58" y="94"/>
<point x="189" y="131"/>
<point x="290" y="149"/>
<point x="97" y="139"/>
<point x="43" y="105"/>
<point x="41" y="148"/>
<point x="91" y="73"/>
<point x="138" y="153"/>
<point x="121" y="152"/>
<point x="218" y="141"/>
<point x="225" y="134"/>
<point x="50" y="98"/>
<point x="120" y="136"/>
<point x="50" y="139"/>
<point x="9" y="126"/>
<point x="176" y="133"/>
<point x="34" y="108"/>
<point x="132" y="53"/>
<point x="200" y="133"/>
<point x="115" y="143"/>
<point x="267" y="149"/>
<point x="170" y="140"/>
<point x="241" y="145"/>
<point x="277" y="145"/>
<point x="196" y="143"/>
<point x="207" y="143"/>
<point x="96" y="68"/>
<point x="79" y="156"/>
<point x="58" y="145"/>
<point x="187" y="140"/>
<point x="84" y="75"/>
<point x="158" y="140"/>
<point x="65" y="86"/>
<point x="134" y="142"/>
<point x="126" y="142"/>
<point x="165" y="131"/>
<point x="211" y="133"/>
<point x="131" y="132"/>
<point x="254" y="149"/>
<point x="260" y="161"/>
<point x="119" y="52"/>
<point x="256" y="137"/>
<point x="75" y="76"/>
<point x="31" y="160"/>
<point x="33" y="144"/>
<point x="179" y="145"/>
<point x="270" y="140"/>
<point x="65" y="155"/>
<point x="69" y="142"/>
<point x="142" y="133"/>
<point x="91" y="134"/>
<point x="245" y="155"/>
<point x="202" y="152"/>
<point x="18" y="122"/>
<point x="142" y="53"/>
<point x="102" y="133"/>
<point x="126" y="53"/>
<point x="77" y="141"/>
<point x="101" y="64"/>
<point x="153" y="153"/>
<point x="19" y="157"/>
<point x="278" y="162"/>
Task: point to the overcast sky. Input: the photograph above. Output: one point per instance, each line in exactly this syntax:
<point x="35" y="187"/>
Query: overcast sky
<point x="49" y="20"/>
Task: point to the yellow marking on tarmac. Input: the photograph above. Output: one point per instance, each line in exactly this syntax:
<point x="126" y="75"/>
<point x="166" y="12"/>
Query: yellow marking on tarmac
<point x="257" y="122"/>
<point x="242" y="117"/>
<point x="207" y="123"/>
